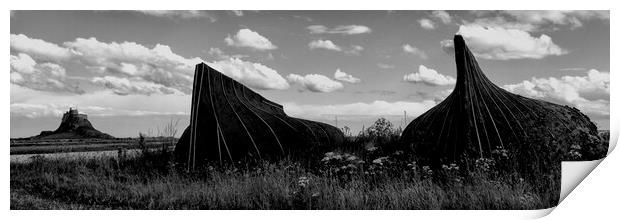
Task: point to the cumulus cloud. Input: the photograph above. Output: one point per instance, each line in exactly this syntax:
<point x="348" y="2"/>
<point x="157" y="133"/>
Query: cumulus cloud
<point x="248" y="38"/>
<point x="375" y="108"/>
<point x="158" y="65"/>
<point x="254" y="75"/>
<point x="345" y="77"/>
<point x="181" y="14"/>
<point x="329" y="45"/>
<point x="34" y="111"/>
<point x="429" y="77"/>
<point x="315" y="82"/>
<point x="25" y="71"/>
<point x="447" y="46"/>
<point x="538" y="20"/>
<point x="443" y="16"/>
<point x="125" y="86"/>
<point x="589" y="93"/>
<point x="342" y="29"/>
<point x="31" y="103"/>
<point x="38" y="48"/>
<point x="161" y="66"/>
<point x="324" y="44"/>
<point x="354" y="50"/>
<point x="414" y="50"/>
<point x="133" y="67"/>
<point x="426" y="24"/>
<point x="497" y="43"/>
<point x="217" y="53"/>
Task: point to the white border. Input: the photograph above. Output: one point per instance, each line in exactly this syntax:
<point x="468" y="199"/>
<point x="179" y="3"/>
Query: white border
<point x="595" y="197"/>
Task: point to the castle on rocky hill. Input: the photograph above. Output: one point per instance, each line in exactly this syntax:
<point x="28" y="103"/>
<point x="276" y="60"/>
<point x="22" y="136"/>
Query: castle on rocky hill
<point x="73" y="125"/>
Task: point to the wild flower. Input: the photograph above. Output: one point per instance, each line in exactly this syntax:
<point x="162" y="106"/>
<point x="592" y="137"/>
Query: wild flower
<point x="370" y="147"/>
<point x="452" y="172"/>
<point x="341" y="164"/>
<point x="303" y="181"/>
<point x="380" y="160"/>
<point x="426" y="172"/>
<point x="351" y="158"/>
<point x="413" y="166"/>
<point x="485" y="164"/>
<point x="452" y="167"/>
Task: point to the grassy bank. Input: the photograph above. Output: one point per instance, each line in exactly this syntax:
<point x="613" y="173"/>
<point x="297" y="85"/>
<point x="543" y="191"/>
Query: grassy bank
<point x="152" y="181"/>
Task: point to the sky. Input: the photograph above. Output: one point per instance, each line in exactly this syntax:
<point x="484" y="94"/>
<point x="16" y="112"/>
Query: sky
<point x="132" y="71"/>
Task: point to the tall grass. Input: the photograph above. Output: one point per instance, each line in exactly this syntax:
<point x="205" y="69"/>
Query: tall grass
<point x="152" y="181"/>
<point x="368" y="172"/>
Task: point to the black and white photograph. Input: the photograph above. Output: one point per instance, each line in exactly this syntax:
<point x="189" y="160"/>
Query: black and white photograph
<point x="304" y="109"/>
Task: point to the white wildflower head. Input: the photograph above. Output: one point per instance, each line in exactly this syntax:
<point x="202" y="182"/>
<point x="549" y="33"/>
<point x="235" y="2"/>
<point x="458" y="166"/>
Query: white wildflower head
<point x="303" y="181"/>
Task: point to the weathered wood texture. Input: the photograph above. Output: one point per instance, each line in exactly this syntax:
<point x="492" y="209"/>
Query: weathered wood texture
<point x="229" y="123"/>
<point x="479" y="117"/>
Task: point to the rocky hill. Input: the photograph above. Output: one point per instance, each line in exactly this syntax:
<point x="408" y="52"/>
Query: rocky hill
<point x="73" y="125"/>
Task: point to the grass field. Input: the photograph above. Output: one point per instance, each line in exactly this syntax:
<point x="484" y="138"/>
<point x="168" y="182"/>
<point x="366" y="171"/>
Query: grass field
<point x="37" y="146"/>
<point x="145" y="182"/>
<point x="363" y="174"/>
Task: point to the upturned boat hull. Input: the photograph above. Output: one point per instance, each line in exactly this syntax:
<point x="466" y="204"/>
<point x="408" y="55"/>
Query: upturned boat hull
<point x="231" y="123"/>
<point x="481" y="120"/>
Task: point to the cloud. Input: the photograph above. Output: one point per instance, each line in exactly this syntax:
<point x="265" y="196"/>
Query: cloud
<point x="315" y="82"/>
<point x="414" y="50"/>
<point x="354" y="50"/>
<point x="324" y="44"/>
<point x="125" y="86"/>
<point x="121" y="79"/>
<point x="342" y="76"/>
<point x="134" y="68"/>
<point x="34" y="111"/>
<point x="589" y="93"/>
<point x="375" y="108"/>
<point x="26" y="72"/>
<point x="181" y="14"/>
<point x="443" y="16"/>
<point x="158" y="65"/>
<point x="238" y="13"/>
<point x="443" y="94"/>
<point x="38" y="48"/>
<point x="31" y="103"/>
<point x="342" y="29"/>
<point x="447" y="46"/>
<point x="329" y="45"/>
<point x="426" y="24"/>
<point x="217" y="53"/>
<point x="161" y="66"/>
<point x="538" y="20"/>
<point x="248" y="38"/>
<point x="251" y="74"/>
<point x="497" y="43"/>
<point x="429" y="77"/>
